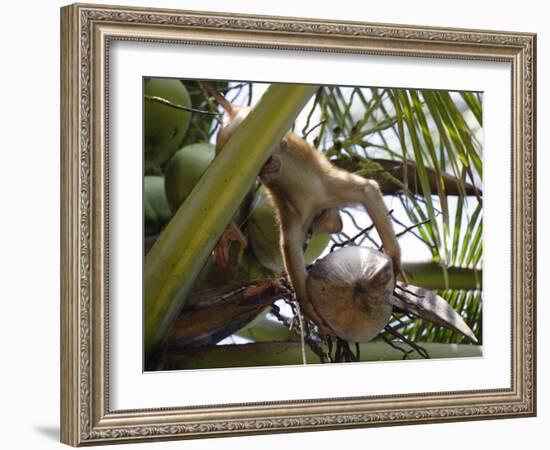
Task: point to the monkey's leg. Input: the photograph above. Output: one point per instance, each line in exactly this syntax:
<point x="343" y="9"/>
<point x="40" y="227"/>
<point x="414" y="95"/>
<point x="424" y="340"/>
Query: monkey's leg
<point x="221" y="251"/>
<point x="356" y="189"/>
<point x="292" y="239"/>
<point x="373" y="202"/>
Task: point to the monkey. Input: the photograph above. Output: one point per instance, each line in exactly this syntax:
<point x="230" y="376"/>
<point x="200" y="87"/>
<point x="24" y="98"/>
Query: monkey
<point x="307" y="192"/>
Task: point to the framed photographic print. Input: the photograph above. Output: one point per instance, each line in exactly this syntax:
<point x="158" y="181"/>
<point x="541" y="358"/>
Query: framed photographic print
<point x="276" y="225"/>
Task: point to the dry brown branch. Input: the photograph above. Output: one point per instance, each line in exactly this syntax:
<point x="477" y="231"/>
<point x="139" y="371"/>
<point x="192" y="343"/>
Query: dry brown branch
<point x="214" y="314"/>
<point x="396" y="170"/>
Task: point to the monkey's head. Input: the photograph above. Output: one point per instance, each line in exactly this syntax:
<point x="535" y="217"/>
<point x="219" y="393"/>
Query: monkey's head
<point x="230" y="124"/>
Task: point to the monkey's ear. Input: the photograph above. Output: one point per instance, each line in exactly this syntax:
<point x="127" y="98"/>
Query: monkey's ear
<point x="328" y="222"/>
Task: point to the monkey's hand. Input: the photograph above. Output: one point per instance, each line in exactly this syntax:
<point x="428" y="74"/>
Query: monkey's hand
<point x="271" y="169"/>
<point x="221" y="251"/>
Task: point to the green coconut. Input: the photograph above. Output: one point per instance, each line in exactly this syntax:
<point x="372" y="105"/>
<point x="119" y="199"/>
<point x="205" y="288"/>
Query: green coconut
<point x="156" y="212"/>
<point x="184" y="171"/>
<point x="243" y="268"/>
<point x="164" y="126"/>
<point x="316" y="246"/>
<point x="264" y="235"/>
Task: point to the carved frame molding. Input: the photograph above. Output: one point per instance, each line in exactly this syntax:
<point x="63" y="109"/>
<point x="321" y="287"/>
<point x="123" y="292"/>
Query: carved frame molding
<point x="86" y="31"/>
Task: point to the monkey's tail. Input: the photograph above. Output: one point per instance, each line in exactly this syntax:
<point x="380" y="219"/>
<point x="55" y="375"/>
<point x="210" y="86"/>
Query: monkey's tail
<point x="229" y="108"/>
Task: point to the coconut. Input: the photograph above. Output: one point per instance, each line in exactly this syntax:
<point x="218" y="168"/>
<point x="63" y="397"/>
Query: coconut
<point x="156" y="212"/>
<point x="164" y="126"/>
<point x="264" y="235"/>
<point x="184" y="171"/>
<point x="351" y="289"/>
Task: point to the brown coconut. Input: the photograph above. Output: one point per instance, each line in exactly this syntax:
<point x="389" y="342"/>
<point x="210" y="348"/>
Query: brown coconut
<point x="351" y="290"/>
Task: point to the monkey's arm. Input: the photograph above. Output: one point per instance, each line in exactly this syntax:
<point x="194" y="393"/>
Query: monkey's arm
<point x="376" y="208"/>
<point x="270" y="171"/>
<point x="292" y="240"/>
<point x="221" y="251"/>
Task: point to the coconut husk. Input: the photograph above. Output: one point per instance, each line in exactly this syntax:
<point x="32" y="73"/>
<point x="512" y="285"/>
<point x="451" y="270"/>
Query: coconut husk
<point x="353" y="290"/>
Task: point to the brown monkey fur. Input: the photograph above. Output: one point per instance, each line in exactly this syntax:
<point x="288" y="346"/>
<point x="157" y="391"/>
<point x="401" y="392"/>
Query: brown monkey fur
<point x="307" y="191"/>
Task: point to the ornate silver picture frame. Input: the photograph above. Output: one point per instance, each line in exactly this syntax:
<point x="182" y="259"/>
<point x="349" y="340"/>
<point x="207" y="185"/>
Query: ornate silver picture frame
<point x="87" y="413"/>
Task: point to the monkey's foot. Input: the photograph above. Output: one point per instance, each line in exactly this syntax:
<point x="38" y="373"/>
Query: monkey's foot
<point x="271" y="169"/>
<point x="221" y="251"/>
<point x="402" y="276"/>
<point x="399" y="272"/>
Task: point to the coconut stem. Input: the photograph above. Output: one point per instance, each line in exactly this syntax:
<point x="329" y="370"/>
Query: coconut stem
<point x="163" y="101"/>
<point x="302" y="333"/>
